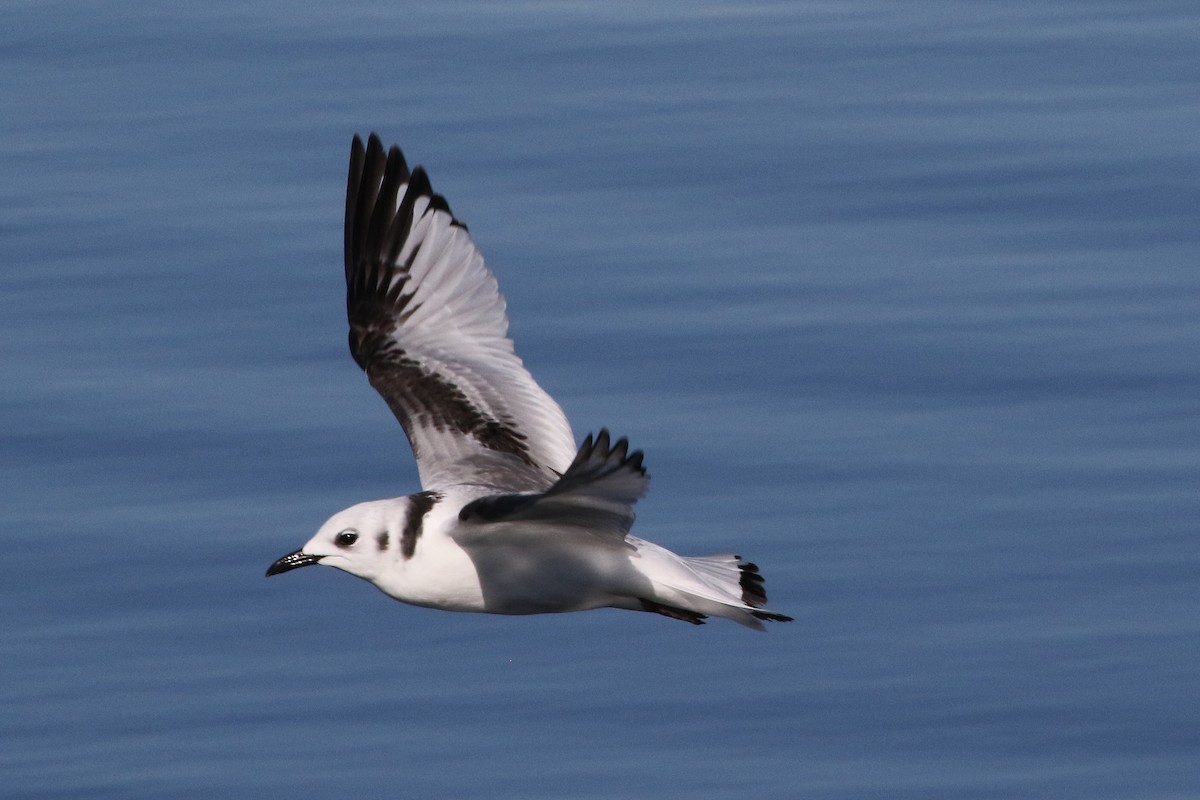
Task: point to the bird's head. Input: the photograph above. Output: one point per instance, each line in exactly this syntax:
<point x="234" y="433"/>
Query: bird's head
<point x="356" y="540"/>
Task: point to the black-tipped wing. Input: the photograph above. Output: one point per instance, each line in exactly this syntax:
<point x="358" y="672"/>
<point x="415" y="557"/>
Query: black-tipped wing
<point x="594" y="496"/>
<point x="427" y="325"/>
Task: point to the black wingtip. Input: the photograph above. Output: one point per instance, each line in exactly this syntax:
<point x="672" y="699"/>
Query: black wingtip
<point x="374" y="146"/>
<point x="438" y="203"/>
<point x="396" y="162"/>
<point x="419" y="184"/>
<point x="602" y="445"/>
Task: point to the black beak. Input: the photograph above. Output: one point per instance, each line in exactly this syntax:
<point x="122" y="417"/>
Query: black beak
<point x="292" y="561"/>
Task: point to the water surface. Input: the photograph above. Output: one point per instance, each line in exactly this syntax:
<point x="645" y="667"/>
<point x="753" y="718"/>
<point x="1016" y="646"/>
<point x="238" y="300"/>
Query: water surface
<point x="899" y="301"/>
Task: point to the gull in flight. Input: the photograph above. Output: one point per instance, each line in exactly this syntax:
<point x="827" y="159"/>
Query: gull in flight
<point x="512" y="518"/>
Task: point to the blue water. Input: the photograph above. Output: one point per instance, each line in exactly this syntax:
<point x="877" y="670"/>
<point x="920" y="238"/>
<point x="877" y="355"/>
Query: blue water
<point x="901" y="301"/>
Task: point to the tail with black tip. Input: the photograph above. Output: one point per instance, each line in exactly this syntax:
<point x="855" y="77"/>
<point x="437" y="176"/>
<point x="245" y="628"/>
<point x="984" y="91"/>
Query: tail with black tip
<point x="692" y="588"/>
<point x="753" y="593"/>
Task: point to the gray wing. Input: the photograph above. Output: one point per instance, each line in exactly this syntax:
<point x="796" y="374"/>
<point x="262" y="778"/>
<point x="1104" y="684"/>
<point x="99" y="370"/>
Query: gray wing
<point x="595" y="496"/>
<point x="427" y="325"/>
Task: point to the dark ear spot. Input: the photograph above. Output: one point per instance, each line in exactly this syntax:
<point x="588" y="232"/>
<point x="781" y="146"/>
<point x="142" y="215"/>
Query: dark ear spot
<point x="382" y="541"/>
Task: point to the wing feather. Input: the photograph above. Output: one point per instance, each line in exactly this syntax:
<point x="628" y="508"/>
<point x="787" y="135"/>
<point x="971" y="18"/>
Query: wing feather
<point x="428" y="327"/>
<point x="594" y="497"/>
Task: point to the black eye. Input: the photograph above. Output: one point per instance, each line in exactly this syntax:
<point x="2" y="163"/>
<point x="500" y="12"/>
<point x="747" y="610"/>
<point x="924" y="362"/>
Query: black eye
<point x="345" y="538"/>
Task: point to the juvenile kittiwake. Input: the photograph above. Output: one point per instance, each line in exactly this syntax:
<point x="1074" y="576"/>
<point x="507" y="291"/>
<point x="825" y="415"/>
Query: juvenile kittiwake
<point x="512" y="517"/>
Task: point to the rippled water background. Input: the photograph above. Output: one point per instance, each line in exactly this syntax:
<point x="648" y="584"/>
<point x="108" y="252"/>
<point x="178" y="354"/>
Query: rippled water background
<point x="901" y="300"/>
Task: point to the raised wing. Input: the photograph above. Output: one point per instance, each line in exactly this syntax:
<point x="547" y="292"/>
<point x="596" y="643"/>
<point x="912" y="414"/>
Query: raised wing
<point x="427" y="325"/>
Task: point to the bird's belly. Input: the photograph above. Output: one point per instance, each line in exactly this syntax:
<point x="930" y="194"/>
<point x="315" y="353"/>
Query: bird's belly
<point x="548" y="579"/>
<point x="513" y="577"/>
